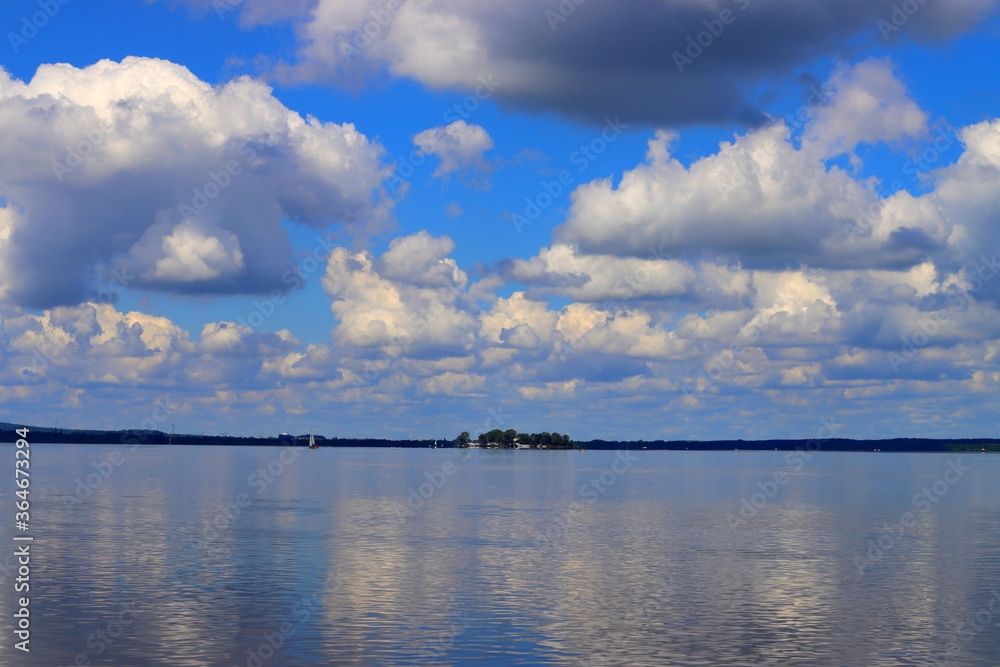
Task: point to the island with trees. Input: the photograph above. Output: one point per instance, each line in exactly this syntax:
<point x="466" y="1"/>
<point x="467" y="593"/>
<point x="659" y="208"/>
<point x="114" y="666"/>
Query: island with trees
<point x="511" y="439"/>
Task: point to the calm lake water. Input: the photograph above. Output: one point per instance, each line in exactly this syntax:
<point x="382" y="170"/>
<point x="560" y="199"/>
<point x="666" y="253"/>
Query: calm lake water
<point x="232" y="556"/>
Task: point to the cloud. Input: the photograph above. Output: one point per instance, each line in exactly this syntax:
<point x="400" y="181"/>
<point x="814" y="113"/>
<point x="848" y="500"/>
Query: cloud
<point x="870" y="105"/>
<point x="188" y="253"/>
<point x="760" y="278"/>
<point x="458" y="145"/>
<point x="562" y="270"/>
<point x="759" y="199"/>
<point x="456" y="384"/>
<point x="251" y="12"/>
<point x="519" y="322"/>
<point x="412" y="296"/>
<point x="138" y="169"/>
<point x="421" y="259"/>
<point x="594" y="60"/>
<point x="417" y="335"/>
<point x="967" y="194"/>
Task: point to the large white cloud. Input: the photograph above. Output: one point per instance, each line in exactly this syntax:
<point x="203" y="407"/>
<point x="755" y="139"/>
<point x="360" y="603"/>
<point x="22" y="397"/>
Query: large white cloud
<point x="768" y="202"/>
<point x="141" y="169"/>
<point x="758" y="197"/>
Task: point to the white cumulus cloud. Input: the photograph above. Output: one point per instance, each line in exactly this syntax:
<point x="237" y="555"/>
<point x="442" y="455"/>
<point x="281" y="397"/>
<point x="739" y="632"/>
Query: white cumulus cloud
<point x="141" y="168"/>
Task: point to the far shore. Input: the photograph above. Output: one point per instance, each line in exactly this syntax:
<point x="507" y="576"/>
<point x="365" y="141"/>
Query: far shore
<point x="158" y="438"/>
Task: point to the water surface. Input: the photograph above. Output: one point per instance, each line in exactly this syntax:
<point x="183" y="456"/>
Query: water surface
<point x="261" y="556"/>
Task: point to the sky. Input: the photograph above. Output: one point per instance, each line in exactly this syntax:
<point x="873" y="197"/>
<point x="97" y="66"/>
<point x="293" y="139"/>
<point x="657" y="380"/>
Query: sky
<point x="628" y="219"/>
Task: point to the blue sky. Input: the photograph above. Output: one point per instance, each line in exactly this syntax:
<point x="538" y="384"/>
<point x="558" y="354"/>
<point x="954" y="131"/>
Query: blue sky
<point x="705" y="269"/>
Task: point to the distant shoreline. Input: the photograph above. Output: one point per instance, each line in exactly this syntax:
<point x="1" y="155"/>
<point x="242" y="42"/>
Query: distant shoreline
<point x="153" y="438"/>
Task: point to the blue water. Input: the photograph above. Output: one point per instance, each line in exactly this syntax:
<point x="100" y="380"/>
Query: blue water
<point x="509" y="557"/>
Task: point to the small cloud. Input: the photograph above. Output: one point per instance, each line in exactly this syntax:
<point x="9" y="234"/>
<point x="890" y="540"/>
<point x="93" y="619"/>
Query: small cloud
<point x="870" y="105"/>
<point x="453" y="210"/>
<point x="459" y="146"/>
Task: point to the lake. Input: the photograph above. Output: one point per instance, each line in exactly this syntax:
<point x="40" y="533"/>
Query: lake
<point x="264" y="556"/>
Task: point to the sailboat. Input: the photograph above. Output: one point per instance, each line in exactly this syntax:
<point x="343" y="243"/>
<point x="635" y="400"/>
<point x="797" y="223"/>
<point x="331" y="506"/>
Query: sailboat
<point x="312" y="442"/>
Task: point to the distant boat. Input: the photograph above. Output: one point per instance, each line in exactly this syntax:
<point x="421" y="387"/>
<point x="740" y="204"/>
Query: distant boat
<point x="312" y="442"/>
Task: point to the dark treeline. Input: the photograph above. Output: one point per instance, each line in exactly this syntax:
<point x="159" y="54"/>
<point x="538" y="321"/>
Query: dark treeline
<point x="141" y="437"/>
<point x="830" y="445"/>
<point x="144" y="437"/>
